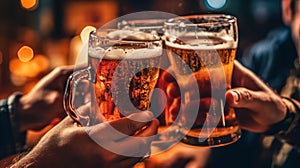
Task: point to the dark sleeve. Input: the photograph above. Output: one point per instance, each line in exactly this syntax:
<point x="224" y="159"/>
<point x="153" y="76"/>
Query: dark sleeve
<point x="257" y="57"/>
<point x="11" y="140"/>
<point x="288" y="130"/>
<point x="291" y="134"/>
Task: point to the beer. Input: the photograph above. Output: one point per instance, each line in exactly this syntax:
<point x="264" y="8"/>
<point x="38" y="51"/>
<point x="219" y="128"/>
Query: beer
<point x="203" y="61"/>
<point x="124" y="78"/>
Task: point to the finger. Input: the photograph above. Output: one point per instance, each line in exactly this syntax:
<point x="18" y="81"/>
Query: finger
<point x="256" y="101"/>
<point x="132" y="146"/>
<point x="137" y="145"/>
<point x="150" y="130"/>
<point x="67" y="121"/>
<point x="120" y="128"/>
<point x="134" y="122"/>
<point x="173" y="90"/>
<point x="61" y="74"/>
<point x="174" y="110"/>
<point x="243" y="98"/>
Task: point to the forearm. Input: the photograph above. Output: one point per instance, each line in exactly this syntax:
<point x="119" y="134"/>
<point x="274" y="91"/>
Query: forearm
<point x="29" y="160"/>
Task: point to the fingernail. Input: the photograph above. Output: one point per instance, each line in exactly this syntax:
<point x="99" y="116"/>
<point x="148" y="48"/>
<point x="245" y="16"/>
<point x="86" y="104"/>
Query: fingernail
<point x="235" y="96"/>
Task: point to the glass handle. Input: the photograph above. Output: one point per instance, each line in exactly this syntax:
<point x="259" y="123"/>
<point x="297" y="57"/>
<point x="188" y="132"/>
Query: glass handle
<point x="69" y="95"/>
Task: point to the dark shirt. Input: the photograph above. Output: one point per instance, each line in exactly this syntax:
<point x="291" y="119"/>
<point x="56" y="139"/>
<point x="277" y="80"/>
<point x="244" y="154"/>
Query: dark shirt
<point x="272" y="58"/>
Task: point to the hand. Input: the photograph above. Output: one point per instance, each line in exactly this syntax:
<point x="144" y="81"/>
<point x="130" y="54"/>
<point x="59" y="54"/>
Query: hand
<point x="167" y="83"/>
<point x="180" y="155"/>
<point x="43" y="103"/>
<point x="68" y="145"/>
<point x="257" y="106"/>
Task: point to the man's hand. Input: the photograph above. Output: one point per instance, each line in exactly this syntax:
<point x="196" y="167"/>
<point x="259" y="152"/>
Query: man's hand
<point x="257" y="106"/>
<point x="43" y="103"/>
<point x="68" y="145"/>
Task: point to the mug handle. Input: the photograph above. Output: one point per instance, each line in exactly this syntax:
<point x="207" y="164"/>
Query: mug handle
<point x="69" y="95"/>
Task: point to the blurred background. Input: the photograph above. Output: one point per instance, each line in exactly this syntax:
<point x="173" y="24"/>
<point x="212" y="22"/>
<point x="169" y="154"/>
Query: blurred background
<point x="38" y="35"/>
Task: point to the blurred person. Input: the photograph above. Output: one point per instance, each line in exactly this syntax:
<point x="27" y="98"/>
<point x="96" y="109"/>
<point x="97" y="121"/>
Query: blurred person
<point x="276" y="61"/>
<point x="31" y="111"/>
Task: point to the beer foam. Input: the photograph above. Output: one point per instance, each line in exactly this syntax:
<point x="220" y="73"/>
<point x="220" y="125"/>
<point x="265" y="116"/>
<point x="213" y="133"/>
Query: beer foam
<point x="96" y="52"/>
<point x="202" y="43"/>
<point x="141" y="53"/>
<point x="132" y="35"/>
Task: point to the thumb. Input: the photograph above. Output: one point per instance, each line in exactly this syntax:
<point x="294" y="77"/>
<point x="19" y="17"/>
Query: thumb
<point x="245" y="98"/>
<point x="262" y="102"/>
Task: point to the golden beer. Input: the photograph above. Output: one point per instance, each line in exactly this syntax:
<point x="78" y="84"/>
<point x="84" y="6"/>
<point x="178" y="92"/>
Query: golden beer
<point x="205" y="54"/>
<point x="130" y="84"/>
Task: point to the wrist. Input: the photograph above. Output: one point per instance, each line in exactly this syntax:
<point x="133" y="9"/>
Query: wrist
<point x="285" y="125"/>
<point x="15" y="118"/>
<point x="23" y="114"/>
<point x="17" y="137"/>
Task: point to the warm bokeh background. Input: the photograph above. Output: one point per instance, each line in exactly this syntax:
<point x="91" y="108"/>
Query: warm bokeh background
<point x="38" y="35"/>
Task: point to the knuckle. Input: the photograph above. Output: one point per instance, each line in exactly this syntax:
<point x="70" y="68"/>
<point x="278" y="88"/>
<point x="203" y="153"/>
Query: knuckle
<point x="245" y="94"/>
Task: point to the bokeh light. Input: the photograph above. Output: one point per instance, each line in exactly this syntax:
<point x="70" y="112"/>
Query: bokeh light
<point x="42" y="61"/>
<point x="22" y="71"/>
<point x="25" y="53"/>
<point x="29" y="4"/>
<point x="215" y="4"/>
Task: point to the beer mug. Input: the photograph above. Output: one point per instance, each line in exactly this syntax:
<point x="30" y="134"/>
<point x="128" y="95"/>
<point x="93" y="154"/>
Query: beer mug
<point x="201" y="50"/>
<point x="122" y="71"/>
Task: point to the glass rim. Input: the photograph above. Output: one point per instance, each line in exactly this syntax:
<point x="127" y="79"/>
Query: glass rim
<point x="145" y="21"/>
<point x="210" y="19"/>
<point x="101" y="35"/>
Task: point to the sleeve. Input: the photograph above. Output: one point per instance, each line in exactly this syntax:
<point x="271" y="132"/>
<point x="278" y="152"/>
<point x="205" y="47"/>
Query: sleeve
<point x="288" y="130"/>
<point x="12" y="141"/>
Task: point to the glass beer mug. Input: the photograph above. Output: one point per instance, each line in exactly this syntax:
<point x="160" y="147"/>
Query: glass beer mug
<point x="201" y="50"/>
<point x="122" y="71"/>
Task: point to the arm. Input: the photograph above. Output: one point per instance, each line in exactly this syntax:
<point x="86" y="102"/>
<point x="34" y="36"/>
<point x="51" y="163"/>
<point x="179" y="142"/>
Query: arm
<point x="33" y="110"/>
<point x="68" y="145"/>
